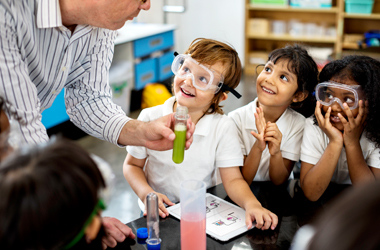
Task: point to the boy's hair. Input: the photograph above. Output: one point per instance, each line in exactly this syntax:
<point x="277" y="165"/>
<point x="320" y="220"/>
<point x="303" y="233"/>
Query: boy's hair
<point x="359" y="206"/>
<point x="47" y="194"/>
<point x="304" y="67"/>
<point x="209" y="52"/>
<point x="366" y="72"/>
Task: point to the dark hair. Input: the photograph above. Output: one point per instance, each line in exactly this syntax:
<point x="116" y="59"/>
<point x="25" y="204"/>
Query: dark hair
<point x="304" y="67"/>
<point x="47" y="194"/>
<point x="352" y="221"/>
<point x="209" y="52"/>
<point x="366" y="72"/>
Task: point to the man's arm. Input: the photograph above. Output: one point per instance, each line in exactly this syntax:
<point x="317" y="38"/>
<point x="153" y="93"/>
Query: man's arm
<point x="16" y="86"/>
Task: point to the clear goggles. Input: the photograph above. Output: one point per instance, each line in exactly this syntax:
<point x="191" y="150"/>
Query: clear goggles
<point x="202" y="77"/>
<point x="329" y="92"/>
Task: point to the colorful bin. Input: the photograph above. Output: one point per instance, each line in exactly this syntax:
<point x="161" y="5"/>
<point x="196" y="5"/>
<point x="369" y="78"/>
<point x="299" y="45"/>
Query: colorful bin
<point x="359" y="6"/>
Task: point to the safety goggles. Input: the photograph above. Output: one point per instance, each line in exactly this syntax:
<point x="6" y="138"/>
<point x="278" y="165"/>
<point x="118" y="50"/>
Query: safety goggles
<point x="202" y="77"/>
<point x="100" y="206"/>
<point x="329" y="92"/>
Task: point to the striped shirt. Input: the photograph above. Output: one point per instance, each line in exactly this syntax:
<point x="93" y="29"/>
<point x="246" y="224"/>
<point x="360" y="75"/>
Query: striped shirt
<point x="39" y="57"/>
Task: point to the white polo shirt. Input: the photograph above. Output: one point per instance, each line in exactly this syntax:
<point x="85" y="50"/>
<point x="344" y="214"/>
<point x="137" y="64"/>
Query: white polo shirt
<point x="290" y="124"/>
<point x="315" y="142"/>
<point x="215" y="145"/>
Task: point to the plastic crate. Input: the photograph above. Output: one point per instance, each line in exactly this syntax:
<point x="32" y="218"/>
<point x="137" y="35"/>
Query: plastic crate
<point x="270" y="2"/>
<point x="359" y="6"/>
<point x="310" y="3"/>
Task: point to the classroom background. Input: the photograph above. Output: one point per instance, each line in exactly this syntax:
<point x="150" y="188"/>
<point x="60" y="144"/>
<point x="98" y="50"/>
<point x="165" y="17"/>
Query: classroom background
<point x="140" y="74"/>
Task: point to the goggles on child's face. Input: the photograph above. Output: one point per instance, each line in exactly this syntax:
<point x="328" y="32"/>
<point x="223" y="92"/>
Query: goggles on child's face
<point x="100" y="206"/>
<point x="201" y="76"/>
<point x="329" y="92"/>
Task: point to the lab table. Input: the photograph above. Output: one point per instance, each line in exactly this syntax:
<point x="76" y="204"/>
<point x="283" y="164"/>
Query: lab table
<point x="274" y="198"/>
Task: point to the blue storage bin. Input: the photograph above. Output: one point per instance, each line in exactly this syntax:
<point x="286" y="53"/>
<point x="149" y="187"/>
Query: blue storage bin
<point x="146" y="46"/>
<point x="359" y="6"/>
<point x="56" y="114"/>
<point x="145" y="72"/>
<point x="164" y="66"/>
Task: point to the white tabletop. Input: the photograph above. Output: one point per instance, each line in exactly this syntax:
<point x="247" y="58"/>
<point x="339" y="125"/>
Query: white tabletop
<point x="133" y="31"/>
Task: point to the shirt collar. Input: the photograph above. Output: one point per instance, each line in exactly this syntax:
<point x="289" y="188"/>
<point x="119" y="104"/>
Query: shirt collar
<point x="250" y="121"/>
<point x="48" y="14"/>
<point x="203" y="126"/>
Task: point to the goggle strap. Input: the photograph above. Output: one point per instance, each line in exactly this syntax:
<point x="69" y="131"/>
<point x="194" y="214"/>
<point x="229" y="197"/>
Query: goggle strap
<point x="175" y="53"/>
<point x="225" y="88"/>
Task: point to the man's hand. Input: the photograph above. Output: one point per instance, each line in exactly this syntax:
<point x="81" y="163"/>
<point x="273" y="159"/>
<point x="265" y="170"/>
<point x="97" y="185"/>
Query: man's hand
<point x="157" y="135"/>
<point x="116" y="232"/>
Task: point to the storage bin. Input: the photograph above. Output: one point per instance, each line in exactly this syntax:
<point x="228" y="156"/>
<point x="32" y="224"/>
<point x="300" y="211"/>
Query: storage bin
<point x="359" y="6"/>
<point x="120" y="79"/>
<point x="258" y="26"/>
<point x="310" y="3"/>
<point x="164" y="66"/>
<point x="146" y="72"/>
<point x="56" y="114"/>
<point x="270" y="2"/>
<point x="148" y="45"/>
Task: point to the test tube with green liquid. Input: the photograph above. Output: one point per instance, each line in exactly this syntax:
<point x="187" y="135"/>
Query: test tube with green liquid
<point x="180" y="129"/>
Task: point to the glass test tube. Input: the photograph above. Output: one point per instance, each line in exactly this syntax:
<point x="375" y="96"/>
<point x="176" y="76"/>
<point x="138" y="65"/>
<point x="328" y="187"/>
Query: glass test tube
<point x="180" y="130"/>
<point x="153" y="242"/>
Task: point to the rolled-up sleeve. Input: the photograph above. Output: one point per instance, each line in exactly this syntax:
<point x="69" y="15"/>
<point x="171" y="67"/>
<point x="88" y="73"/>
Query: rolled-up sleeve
<point x="89" y="99"/>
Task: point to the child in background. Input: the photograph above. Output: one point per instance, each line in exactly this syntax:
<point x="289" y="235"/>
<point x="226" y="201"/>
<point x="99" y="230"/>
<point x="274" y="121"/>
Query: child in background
<point x="50" y="198"/>
<point x="341" y="142"/>
<point x="204" y="74"/>
<point x="270" y="131"/>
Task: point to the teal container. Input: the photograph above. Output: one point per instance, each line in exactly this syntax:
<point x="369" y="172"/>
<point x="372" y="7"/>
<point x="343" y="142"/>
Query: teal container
<point x="359" y="6"/>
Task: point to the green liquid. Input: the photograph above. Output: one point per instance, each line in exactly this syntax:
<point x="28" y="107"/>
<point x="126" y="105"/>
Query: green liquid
<point x="179" y="143"/>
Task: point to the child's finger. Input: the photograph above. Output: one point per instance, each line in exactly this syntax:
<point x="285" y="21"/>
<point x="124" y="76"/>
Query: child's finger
<point x="256" y="135"/>
<point x="343" y="120"/>
<point x="327" y="115"/>
<point x="318" y="113"/>
<point x="274" y="220"/>
<point x="162" y="210"/>
<point x="267" y="222"/>
<point x="349" y="114"/>
<point x="362" y="114"/>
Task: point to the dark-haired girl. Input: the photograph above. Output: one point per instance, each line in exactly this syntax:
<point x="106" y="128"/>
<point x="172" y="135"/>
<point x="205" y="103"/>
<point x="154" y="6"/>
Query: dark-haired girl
<point x="270" y="129"/>
<point x="341" y="143"/>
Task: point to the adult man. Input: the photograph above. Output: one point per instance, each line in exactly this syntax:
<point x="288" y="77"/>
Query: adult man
<point x="48" y="45"/>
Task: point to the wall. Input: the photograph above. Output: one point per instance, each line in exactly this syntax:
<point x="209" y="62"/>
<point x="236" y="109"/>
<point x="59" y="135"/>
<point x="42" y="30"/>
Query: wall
<point x="217" y="19"/>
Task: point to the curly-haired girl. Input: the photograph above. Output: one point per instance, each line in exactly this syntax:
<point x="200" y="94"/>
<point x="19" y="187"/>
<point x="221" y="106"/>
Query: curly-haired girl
<point x="342" y="146"/>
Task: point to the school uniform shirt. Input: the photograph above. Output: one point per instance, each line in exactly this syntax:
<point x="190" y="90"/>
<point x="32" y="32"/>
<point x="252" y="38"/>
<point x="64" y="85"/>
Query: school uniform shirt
<point x="290" y="124"/>
<point x="39" y="57"/>
<point x="215" y="145"/>
<point x="315" y="142"/>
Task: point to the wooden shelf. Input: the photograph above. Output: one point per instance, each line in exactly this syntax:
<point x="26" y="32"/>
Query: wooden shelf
<point x="293" y="38"/>
<point x="290" y="9"/>
<point x="375" y="16"/>
<point x="345" y="24"/>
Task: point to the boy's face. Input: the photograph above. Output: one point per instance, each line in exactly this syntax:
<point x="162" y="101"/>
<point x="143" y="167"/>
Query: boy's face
<point x="194" y="99"/>
<point x="336" y="108"/>
<point x="276" y="85"/>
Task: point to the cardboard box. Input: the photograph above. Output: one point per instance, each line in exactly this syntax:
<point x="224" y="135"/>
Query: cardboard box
<point x="258" y="26"/>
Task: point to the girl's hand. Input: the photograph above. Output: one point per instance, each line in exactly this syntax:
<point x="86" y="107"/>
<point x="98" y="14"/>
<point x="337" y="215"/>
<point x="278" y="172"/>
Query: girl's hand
<point x="273" y="136"/>
<point x="324" y="123"/>
<point x="161" y="207"/>
<point x="354" y="127"/>
<point x="264" y="218"/>
<point x="260" y="125"/>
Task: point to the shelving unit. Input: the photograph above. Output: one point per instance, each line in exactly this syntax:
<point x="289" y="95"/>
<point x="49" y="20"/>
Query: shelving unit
<point x="345" y="23"/>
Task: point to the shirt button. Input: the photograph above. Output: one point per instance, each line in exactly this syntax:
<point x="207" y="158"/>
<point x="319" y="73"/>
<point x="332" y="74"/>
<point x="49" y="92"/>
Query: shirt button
<point x="63" y="68"/>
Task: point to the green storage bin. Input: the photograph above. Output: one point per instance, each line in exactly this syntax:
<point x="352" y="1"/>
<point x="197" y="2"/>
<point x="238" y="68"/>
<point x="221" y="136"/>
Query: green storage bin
<point x="359" y="6"/>
<point x="270" y="2"/>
